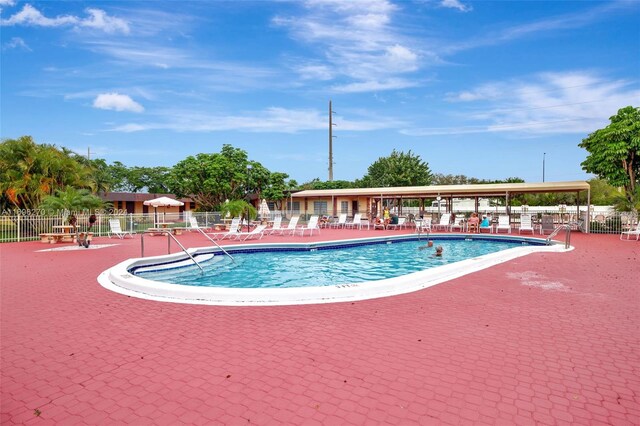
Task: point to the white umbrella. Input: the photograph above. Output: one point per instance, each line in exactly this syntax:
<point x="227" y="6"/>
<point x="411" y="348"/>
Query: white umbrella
<point x="163" y="202"/>
<point x="264" y="211"/>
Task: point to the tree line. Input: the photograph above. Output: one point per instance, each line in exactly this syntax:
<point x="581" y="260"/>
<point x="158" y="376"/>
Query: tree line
<point x="40" y="176"/>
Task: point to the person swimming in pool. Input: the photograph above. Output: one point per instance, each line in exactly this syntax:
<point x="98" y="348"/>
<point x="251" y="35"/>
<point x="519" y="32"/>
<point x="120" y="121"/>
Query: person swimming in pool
<point x="428" y="245"/>
<point x="439" y="250"/>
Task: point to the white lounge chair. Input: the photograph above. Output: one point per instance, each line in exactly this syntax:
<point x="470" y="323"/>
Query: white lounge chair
<point x="526" y="224"/>
<point x="400" y="224"/>
<point x="423" y="225"/>
<point x="116" y="229"/>
<point x="631" y="233"/>
<point x="312" y="225"/>
<point x="356" y="222"/>
<point x="503" y="223"/>
<point x="255" y="232"/>
<point x="291" y="227"/>
<point x="233" y="230"/>
<point x="193" y="224"/>
<point x="444" y="222"/>
<point x="456" y="225"/>
<point x="485" y="225"/>
<point x="342" y="219"/>
<point x="277" y="225"/>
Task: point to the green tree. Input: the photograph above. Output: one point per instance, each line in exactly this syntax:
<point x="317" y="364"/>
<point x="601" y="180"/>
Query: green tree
<point x="72" y="200"/>
<point x="30" y="171"/>
<point x="398" y="169"/>
<point x="328" y="184"/>
<point x="614" y="152"/>
<point x="209" y="179"/>
<point x="277" y="188"/>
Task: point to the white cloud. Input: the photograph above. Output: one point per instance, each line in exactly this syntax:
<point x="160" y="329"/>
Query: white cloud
<point x="117" y="102"/>
<point x="455" y="4"/>
<point x="270" y="120"/>
<point x="548" y="103"/>
<point x="15" y="43"/>
<point x="7" y="2"/>
<point x="97" y="19"/>
<point x="374" y="86"/>
<point x="361" y="47"/>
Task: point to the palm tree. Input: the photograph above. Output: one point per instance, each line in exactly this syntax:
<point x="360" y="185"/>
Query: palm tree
<point x="71" y="200"/>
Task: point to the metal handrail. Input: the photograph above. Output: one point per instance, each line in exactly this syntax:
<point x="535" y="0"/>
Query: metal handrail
<point x="169" y="234"/>
<point x="214" y="242"/>
<point x="567" y="237"/>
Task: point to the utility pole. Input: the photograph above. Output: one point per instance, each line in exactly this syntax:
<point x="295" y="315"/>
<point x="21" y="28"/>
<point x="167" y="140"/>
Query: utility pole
<point x="331" y="112"/>
<point x="89" y="153"/>
<point x="544" y="154"/>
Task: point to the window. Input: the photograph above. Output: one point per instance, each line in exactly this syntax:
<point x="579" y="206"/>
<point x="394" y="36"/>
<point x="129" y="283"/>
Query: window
<point x="320" y="207"/>
<point x="295" y="206"/>
<point x="344" y="207"/>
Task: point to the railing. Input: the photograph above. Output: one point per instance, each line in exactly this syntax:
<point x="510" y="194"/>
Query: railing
<point x="170" y="236"/>
<point x="214" y="242"/>
<point x="567" y="236"/>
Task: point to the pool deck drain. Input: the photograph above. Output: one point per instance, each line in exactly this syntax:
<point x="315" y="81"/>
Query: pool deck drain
<point x="549" y="338"/>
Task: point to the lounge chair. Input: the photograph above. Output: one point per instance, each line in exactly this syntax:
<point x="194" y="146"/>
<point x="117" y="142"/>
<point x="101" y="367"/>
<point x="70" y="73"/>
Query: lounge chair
<point x="291" y="228"/>
<point x="233" y="230"/>
<point x="257" y="231"/>
<point x="485" y="225"/>
<point x="193" y="224"/>
<point x="503" y="223"/>
<point x="444" y="222"/>
<point x="526" y="224"/>
<point x="356" y="222"/>
<point x="312" y="225"/>
<point x="116" y="229"/>
<point x="277" y="225"/>
<point x="456" y="225"/>
<point x="423" y="225"/>
<point x="342" y="219"/>
<point x="401" y="224"/>
<point x="631" y="233"/>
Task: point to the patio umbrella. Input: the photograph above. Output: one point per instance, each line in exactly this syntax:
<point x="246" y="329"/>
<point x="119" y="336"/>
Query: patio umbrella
<point x="162" y="202"/>
<point x="264" y="211"/>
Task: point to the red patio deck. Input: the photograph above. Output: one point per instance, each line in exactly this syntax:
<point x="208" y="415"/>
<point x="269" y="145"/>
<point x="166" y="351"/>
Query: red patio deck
<point x="544" y="339"/>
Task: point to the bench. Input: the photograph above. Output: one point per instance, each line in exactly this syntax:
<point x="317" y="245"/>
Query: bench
<point x="62" y="237"/>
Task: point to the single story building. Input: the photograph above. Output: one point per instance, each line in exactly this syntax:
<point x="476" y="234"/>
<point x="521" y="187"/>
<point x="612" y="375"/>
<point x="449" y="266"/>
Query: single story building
<point x="370" y="201"/>
<point x="133" y="202"/>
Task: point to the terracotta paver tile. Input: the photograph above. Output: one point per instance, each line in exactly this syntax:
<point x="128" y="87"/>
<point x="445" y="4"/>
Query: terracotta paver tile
<point x="493" y="347"/>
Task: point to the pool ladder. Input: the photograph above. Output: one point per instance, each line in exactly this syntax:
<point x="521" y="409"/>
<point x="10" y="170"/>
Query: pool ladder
<point x="170" y="236"/>
<point x="567" y="237"/>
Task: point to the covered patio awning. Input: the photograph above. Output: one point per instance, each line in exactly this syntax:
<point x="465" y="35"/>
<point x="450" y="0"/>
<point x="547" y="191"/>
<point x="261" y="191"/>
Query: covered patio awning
<point x="482" y="190"/>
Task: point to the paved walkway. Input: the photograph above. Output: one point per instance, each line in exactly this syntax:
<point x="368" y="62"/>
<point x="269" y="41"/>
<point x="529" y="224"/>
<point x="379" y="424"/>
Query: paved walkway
<point x="544" y="339"/>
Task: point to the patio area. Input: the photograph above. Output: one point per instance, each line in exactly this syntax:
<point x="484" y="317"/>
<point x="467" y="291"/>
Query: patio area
<point x="544" y="339"/>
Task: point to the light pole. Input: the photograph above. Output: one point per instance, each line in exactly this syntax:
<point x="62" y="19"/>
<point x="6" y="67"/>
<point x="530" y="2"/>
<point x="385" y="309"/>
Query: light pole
<point x="249" y="167"/>
<point x="544" y="154"/>
<point x="438" y="198"/>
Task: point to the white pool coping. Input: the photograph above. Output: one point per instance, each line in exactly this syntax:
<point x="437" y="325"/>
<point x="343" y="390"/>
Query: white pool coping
<point x="120" y="280"/>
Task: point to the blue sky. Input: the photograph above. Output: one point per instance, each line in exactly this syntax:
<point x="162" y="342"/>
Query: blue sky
<point x="479" y="88"/>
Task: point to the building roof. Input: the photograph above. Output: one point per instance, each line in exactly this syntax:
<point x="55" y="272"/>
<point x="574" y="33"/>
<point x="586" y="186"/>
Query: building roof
<point x="486" y="190"/>
<point x="138" y="196"/>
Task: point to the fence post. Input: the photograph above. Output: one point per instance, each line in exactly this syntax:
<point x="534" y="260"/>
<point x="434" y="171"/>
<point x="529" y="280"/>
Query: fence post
<point x="19" y="227"/>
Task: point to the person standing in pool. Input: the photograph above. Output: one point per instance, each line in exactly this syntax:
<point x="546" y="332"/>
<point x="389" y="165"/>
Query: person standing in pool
<point x="428" y="245"/>
<point x="439" y="250"/>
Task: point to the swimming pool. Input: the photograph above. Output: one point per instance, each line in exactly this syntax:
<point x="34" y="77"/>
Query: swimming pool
<point x="131" y="277"/>
<point x="320" y="266"/>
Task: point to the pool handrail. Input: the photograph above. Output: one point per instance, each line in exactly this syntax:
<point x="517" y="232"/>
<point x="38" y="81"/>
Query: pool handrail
<point x="168" y="233"/>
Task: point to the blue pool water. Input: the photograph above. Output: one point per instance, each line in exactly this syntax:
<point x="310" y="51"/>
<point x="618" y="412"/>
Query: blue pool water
<point x="323" y="267"/>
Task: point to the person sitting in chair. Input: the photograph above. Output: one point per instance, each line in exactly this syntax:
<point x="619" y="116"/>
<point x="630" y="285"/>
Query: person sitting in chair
<point x="472" y="224"/>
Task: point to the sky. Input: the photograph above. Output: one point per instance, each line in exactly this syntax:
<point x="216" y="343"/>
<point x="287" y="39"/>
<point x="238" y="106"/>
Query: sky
<point x="486" y="89"/>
